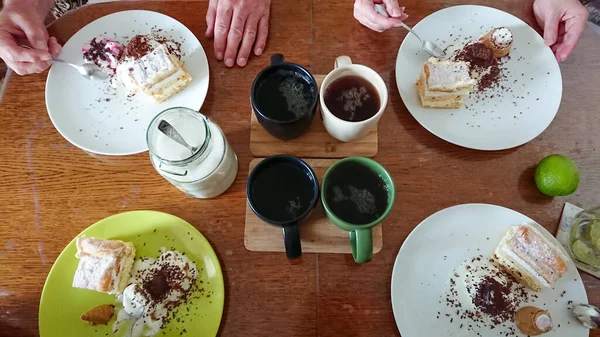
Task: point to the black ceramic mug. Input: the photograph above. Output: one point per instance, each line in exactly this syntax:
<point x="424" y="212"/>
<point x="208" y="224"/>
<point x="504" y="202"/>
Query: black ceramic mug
<point x="283" y="190"/>
<point x="284" y="98"/>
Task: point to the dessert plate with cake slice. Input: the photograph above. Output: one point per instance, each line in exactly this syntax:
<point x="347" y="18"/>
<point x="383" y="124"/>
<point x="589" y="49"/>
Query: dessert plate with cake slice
<point x="141" y="273"/>
<point x="484" y="270"/>
<point x="499" y="87"/>
<point x="153" y="61"/>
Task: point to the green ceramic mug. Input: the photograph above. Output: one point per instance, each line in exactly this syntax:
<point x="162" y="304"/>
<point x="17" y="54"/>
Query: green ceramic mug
<point x="361" y="232"/>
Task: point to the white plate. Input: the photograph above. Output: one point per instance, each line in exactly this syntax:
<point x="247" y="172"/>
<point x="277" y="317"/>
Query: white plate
<point x="508" y="119"/>
<point x="100" y="119"/>
<point x="443" y="241"/>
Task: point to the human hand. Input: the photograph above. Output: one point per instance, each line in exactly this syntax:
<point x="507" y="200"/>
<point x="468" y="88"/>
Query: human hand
<point x="366" y="14"/>
<point x="20" y="24"/>
<point x="236" y="26"/>
<point x="563" y="22"/>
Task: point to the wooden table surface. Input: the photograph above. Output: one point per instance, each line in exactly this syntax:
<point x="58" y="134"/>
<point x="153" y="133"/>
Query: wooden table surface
<point x="51" y="190"/>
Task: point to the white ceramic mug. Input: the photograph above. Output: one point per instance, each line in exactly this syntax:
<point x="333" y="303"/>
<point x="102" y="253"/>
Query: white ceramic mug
<point x="343" y="130"/>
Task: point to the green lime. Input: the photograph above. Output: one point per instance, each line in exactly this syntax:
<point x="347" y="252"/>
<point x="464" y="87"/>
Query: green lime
<point x="584" y="253"/>
<point x="556" y="175"/>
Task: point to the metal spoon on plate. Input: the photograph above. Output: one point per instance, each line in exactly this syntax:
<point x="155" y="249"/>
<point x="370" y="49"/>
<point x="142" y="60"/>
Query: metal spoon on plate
<point x="87" y="70"/>
<point x="428" y="46"/>
<point x="588" y="315"/>
<point x="134" y="319"/>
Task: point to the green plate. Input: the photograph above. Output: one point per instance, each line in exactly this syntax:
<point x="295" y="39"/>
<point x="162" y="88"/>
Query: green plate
<point x="61" y="305"/>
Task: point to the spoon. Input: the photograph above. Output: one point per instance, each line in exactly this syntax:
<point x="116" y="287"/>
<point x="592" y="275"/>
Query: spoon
<point x="588" y="315"/>
<point x="134" y="319"/>
<point x="87" y="70"/>
<point x="170" y="132"/>
<point x="428" y="46"/>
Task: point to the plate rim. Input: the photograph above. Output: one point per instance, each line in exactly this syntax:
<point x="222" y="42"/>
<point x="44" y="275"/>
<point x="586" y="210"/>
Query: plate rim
<point x="396" y="260"/>
<point x="125" y="153"/>
<point x="474" y="147"/>
<point x="109" y="218"/>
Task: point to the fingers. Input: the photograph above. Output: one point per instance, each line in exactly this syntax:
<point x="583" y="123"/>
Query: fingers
<point x="221" y="30"/>
<point x="250" y="34"/>
<point x="211" y="15"/>
<point x="551" y="24"/>
<point x="234" y="38"/>
<point x="365" y="13"/>
<point x="393" y="9"/>
<point x="573" y="30"/>
<point x="26" y="68"/>
<point x="36" y="33"/>
<point x="54" y="47"/>
<point x="263" y="32"/>
<point x="11" y="52"/>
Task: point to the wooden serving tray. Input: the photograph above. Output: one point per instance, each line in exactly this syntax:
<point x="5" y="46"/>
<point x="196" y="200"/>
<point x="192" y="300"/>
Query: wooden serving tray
<point x="315" y="143"/>
<point x="317" y="233"/>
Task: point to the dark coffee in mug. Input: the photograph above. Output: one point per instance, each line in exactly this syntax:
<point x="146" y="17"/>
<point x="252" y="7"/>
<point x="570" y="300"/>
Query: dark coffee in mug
<point x="282" y="191"/>
<point x="352" y="98"/>
<point x="355" y="193"/>
<point x="285" y="95"/>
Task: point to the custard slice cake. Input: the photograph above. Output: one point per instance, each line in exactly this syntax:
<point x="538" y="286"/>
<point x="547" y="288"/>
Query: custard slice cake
<point x="149" y="67"/>
<point x="531" y="258"/>
<point x="444" y="84"/>
<point x="104" y="265"/>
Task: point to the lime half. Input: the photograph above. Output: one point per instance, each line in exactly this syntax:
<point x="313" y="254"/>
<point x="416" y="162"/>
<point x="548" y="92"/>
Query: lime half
<point x="584" y="253"/>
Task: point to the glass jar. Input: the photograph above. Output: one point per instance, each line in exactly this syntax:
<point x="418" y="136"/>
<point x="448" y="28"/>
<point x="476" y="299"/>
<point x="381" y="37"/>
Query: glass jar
<point x="206" y="167"/>
<point x="584" y="241"/>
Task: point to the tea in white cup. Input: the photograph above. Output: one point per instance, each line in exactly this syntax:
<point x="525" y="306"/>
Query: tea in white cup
<point x="353" y="98"/>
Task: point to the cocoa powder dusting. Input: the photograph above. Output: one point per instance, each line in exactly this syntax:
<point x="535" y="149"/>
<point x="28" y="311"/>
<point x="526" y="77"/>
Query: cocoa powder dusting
<point x="481" y="59"/>
<point x="495" y="296"/>
<point x="492" y="299"/>
<point x="137" y="47"/>
<point x="141" y="45"/>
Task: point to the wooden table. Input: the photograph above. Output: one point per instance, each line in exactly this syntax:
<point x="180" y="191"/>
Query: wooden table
<point x="51" y="190"/>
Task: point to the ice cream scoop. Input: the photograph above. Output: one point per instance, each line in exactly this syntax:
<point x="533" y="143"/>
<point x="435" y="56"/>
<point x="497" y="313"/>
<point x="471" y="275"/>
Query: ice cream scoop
<point x="533" y="321"/>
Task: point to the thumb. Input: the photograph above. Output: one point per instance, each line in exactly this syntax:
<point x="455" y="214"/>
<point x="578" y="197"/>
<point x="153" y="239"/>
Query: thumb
<point x="551" y="28"/>
<point x="392" y="7"/>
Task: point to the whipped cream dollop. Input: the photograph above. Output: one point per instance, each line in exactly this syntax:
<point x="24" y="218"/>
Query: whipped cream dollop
<point x="543" y="322"/>
<point x="157" y="288"/>
<point x="502" y="37"/>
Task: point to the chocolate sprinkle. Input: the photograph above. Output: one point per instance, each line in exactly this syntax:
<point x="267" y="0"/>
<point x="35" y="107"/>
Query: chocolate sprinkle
<point x="481" y="58"/>
<point x="495" y="297"/>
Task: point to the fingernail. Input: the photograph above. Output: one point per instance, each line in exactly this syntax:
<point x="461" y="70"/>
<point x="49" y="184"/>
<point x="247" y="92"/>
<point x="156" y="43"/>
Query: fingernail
<point x="229" y="62"/>
<point x="402" y="8"/>
<point x="259" y="51"/>
<point x="242" y="62"/>
<point x="219" y="56"/>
